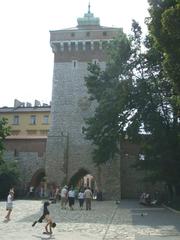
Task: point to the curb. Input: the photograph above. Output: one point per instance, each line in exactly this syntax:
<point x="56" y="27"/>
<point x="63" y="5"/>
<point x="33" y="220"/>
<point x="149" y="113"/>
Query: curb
<point x="171" y="209"/>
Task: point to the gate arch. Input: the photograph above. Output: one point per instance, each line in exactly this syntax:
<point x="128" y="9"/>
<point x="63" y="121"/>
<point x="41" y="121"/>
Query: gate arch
<point x="83" y="178"/>
<point x="37" y="178"/>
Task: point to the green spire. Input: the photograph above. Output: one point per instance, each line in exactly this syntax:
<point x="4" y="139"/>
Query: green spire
<point x="88" y="19"/>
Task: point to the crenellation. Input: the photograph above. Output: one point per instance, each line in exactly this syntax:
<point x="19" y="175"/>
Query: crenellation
<point x="80" y="45"/>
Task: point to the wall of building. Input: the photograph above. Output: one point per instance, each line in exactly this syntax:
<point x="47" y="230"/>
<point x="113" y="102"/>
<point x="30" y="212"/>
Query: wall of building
<point x="29" y="154"/>
<point x="24" y="126"/>
<point x="17" y="146"/>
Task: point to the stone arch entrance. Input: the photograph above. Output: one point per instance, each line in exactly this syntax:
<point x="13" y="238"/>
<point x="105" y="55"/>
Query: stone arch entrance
<point x="37" y="178"/>
<point x="83" y="178"/>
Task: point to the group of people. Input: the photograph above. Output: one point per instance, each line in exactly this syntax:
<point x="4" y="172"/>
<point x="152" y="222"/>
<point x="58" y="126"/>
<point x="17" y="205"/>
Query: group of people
<point x="69" y="196"/>
<point x="66" y="196"/>
<point x="149" y="200"/>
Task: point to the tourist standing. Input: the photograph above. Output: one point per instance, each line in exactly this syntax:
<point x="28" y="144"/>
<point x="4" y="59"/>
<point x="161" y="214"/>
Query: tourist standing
<point x="31" y="191"/>
<point x="81" y="198"/>
<point x="57" y="194"/>
<point x="64" y="197"/>
<point x="88" y="198"/>
<point x="71" y="198"/>
<point x="9" y="204"/>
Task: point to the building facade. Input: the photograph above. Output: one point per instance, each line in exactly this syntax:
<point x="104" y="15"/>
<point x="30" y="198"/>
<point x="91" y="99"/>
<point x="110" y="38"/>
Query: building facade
<point x="27" y="143"/>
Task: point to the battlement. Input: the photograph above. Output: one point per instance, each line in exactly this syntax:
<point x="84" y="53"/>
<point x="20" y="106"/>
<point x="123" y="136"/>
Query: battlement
<point x="82" y="45"/>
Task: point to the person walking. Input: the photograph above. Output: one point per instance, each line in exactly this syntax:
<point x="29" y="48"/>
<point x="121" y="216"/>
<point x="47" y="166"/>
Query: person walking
<point x="81" y="198"/>
<point x="9" y="204"/>
<point x="64" y="196"/>
<point x="88" y="197"/>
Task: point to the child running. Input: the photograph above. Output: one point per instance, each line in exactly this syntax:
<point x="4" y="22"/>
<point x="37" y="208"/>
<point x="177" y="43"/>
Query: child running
<point x="46" y="215"/>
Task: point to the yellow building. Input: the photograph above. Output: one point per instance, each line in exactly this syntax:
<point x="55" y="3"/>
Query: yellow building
<point x="27" y="121"/>
<point x="29" y="127"/>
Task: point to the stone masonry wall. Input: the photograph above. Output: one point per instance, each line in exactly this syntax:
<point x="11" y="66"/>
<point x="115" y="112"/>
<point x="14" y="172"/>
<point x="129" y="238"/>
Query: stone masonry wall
<point x="70" y="105"/>
<point x="28" y="163"/>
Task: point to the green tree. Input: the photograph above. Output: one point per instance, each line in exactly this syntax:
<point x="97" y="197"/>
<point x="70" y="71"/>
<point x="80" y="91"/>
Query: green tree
<point x="134" y="96"/>
<point x="164" y="27"/>
<point x="8" y="170"/>
<point x="4" y="132"/>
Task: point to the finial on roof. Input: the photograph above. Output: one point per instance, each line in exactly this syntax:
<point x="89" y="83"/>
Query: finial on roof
<point x="89" y="7"/>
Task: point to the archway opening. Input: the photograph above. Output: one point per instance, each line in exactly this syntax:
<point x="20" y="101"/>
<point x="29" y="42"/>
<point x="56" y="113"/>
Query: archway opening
<point x="74" y="181"/>
<point x="38" y="178"/>
<point x="82" y="179"/>
<point x="37" y="185"/>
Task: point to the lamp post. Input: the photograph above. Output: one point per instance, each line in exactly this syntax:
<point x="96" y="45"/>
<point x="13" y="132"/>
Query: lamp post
<point x="120" y="160"/>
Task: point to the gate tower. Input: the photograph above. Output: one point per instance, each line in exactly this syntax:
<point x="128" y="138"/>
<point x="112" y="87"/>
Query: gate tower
<point x="67" y="150"/>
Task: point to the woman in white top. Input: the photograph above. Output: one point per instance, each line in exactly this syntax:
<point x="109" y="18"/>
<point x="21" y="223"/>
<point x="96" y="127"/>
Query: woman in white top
<point x="9" y="204"/>
<point x="81" y="198"/>
<point x="71" y="198"/>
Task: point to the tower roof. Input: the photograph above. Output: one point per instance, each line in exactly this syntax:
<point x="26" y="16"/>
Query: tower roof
<point x="88" y="19"/>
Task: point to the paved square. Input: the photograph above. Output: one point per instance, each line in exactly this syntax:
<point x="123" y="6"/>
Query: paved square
<point x="106" y="221"/>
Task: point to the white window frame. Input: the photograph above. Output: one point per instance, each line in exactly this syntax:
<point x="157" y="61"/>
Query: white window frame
<point x="46" y="119"/>
<point x="16" y="120"/>
<point x="33" y="120"/>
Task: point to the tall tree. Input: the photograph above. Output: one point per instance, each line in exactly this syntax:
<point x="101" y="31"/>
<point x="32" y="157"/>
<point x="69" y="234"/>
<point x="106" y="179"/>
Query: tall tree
<point x="4" y="132"/>
<point x="9" y="175"/>
<point x="164" y="27"/>
<point x="135" y="97"/>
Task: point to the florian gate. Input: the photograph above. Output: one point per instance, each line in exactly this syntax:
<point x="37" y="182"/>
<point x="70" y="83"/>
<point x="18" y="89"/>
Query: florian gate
<point x="67" y="156"/>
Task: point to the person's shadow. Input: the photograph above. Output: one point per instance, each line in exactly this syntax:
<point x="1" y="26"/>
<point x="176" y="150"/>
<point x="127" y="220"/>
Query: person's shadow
<point x="44" y="238"/>
<point x="6" y="221"/>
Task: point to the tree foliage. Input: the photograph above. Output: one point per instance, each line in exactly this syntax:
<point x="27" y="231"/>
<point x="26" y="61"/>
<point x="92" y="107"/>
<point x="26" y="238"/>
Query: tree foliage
<point x="8" y="170"/>
<point x="4" y="132"/>
<point x="164" y="27"/>
<point x="135" y="97"/>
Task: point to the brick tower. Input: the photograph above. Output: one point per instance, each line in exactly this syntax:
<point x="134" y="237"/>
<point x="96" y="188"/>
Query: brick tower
<point x="67" y="150"/>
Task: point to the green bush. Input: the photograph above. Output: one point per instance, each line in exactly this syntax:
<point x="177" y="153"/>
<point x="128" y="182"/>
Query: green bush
<point x="9" y="177"/>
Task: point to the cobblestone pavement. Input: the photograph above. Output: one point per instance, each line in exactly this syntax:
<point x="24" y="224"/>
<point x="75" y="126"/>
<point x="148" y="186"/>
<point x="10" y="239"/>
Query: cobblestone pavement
<point x="106" y="221"/>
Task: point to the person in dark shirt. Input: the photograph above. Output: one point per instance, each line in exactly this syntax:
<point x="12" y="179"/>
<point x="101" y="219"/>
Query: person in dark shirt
<point x="46" y="215"/>
<point x="45" y="212"/>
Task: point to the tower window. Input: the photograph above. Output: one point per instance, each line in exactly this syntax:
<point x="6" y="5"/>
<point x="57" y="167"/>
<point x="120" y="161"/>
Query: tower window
<point x="72" y="34"/>
<point x="88" y="34"/>
<point x="104" y="33"/>
<point x="16" y="154"/>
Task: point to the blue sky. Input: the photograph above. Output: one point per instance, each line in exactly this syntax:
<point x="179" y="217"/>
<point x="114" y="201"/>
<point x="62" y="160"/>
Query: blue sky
<point x="26" y="58"/>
